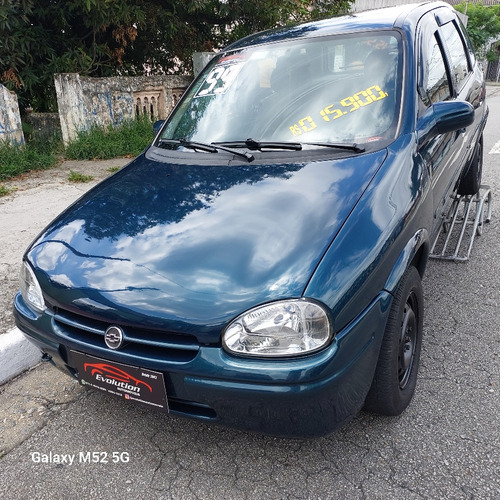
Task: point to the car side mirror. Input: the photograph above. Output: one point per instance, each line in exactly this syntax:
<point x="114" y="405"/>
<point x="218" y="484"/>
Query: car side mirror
<point x="444" y="117"/>
<point x="157" y="125"/>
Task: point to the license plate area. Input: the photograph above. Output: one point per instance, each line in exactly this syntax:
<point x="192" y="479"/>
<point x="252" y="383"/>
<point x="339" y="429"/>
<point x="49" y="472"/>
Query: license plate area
<point x="128" y="382"/>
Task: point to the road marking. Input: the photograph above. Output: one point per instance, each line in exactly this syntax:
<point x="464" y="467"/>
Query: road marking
<point x="495" y="150"/>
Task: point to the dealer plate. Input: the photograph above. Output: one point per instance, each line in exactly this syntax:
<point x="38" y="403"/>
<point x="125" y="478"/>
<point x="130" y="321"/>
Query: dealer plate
<point x="128" y="382"/>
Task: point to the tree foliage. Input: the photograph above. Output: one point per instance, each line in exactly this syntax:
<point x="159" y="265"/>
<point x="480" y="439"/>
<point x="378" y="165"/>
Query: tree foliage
<point x="129" y="37"/>
<point x="483" y="25"/>
<point x="41" y="37"/>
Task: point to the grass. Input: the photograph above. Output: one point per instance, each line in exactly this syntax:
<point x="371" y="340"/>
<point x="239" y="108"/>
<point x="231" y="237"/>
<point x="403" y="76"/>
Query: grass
<point x="96" y="144"/>
<point x="4" y="190"/>
<point x="78" y="177"/>
<point x="112" y="142"/>
<point x="15" y="160"/>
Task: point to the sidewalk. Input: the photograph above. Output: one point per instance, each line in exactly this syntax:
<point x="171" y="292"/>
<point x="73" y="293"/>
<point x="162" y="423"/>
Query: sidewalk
<point x="16" y="355"/>
<point x="35" y="200"/>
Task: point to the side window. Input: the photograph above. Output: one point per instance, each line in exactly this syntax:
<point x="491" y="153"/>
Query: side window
<point x="459" y="62"/>
<point x="435" y="85"/>
<point x="468" y="43"/>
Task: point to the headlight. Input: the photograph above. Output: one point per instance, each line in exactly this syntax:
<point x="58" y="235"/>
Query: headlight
<point x="30" y="289"/>
<point x="284" y="328"/>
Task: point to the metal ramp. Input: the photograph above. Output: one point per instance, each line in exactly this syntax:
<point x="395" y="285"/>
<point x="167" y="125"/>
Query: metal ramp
<point x="463" y="222"/>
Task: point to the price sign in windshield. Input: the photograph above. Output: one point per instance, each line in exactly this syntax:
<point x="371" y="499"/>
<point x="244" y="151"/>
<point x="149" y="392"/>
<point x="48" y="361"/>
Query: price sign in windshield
<point x="221" y="77"/>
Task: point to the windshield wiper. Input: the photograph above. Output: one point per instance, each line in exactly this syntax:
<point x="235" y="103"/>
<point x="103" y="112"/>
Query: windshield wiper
<point x="254" y="145"/>
<point x="340" y="145"/>
<point x="209" y="148"/>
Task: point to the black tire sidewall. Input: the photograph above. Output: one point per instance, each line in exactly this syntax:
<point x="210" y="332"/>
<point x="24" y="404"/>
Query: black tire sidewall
<point x="386" y="397"/>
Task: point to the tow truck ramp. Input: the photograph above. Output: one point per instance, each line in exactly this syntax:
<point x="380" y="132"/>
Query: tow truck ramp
<point x="463" y="222"/>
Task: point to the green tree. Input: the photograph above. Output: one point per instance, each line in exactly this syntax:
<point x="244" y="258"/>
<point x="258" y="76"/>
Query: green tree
<point x="41" y="37"/>
<point x="483" y="26"/>
<point x="107" y="37"/>
<point x="169" y="35"/>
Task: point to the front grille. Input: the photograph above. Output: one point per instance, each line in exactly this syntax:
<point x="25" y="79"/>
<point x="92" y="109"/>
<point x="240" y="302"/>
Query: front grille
<point x="140" y="344"/>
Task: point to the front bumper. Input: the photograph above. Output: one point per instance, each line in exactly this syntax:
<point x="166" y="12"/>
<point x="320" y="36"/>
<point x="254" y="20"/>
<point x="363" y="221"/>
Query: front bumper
<point x="295" y="397"/>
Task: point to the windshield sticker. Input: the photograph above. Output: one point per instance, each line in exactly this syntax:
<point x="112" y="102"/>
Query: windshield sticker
<point x="333" y="112"/>
<point x="221" y="77"/>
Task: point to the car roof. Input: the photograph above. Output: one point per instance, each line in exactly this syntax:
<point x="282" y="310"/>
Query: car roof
<point x="385" y="18"/>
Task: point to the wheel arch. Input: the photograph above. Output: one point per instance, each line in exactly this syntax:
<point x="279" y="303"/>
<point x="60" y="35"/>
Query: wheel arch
<point x="415" y="253"/>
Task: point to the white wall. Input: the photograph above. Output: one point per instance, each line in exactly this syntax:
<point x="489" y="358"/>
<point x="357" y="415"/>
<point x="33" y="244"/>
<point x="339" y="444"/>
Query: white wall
<point x="10" y="119"/>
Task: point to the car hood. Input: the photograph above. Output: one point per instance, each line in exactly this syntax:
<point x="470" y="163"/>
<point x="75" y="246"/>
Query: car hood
<point x="188" y="247"/>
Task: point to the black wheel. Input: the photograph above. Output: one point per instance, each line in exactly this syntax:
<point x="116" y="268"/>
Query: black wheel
<point x="397" y="367"/>
<point x="471" y="178"/>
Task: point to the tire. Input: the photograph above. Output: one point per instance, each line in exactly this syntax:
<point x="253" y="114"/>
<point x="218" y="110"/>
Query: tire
<point x="395" y="376"/>
<point x="471" y="179"/>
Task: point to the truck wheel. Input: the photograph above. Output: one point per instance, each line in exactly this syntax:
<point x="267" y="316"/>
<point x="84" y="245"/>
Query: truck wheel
<point x="397" y="367"/>
<point x="471" y="179"/>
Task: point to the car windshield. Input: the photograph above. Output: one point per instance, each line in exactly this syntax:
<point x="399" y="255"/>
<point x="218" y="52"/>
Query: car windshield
<point x="340" y="89"/>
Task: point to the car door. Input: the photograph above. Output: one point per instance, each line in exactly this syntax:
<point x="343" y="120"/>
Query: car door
<point x="467" y="80"/>
<point x="444" y="72"/>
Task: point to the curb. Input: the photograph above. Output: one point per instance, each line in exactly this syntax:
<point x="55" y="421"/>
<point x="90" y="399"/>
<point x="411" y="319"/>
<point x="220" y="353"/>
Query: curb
<point x="16" y="355"/>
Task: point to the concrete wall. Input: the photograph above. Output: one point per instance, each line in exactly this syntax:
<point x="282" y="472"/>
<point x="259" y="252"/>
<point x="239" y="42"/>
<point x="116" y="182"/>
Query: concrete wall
<point x="10" y="119"/>
<point x="84" y="102"/>
<point x="361" y="5"/>
<point x="200" y="60"/>
<point x="44" y="126"/>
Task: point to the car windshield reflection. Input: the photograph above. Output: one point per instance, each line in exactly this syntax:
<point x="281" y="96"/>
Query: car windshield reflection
<point x="335" y="90"/>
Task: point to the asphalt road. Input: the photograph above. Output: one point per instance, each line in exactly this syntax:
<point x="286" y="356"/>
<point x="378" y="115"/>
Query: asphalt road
<point x="445" y="446"/>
